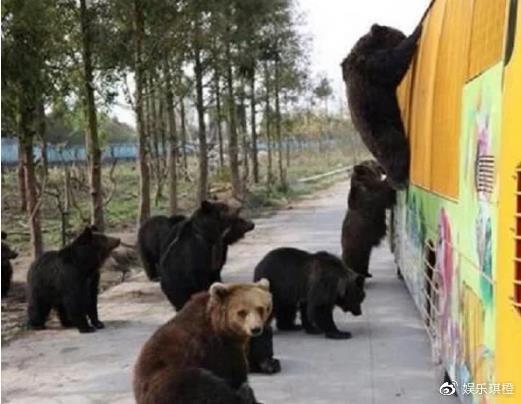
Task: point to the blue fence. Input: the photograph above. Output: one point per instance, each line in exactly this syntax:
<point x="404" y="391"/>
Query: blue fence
<point x="57" y="155"/>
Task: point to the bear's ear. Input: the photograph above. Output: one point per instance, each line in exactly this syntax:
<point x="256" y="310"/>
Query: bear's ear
<point x="376" y="29"/>
<point x="94" y="228"/>
<point x="85" y="235"/>
<point x="264" y="284"/>
<point x="219" y="291"/>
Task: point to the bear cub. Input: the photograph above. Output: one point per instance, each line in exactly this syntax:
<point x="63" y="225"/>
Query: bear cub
<point x="198" y="356"/>
<point x="7" y="268"/>
<point x="364" y="225"/>
<point x="372" y="72"/>
<point x="312" y="284"/>
<point x="67" y="281"/>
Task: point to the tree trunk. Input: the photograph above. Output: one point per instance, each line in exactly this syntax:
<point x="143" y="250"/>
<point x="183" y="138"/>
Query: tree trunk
<point x="269" y="177"/>
<point x="21" y="179"/>
<point x="278" y="129"/>
<point x="163" y="124"/>
<point x="244" y="137"/>
<point x="232" y="127"/>
<point x="27" y="132"/>
<point x="91" y="138"/>
<point x="42" y="135"/>
<point x="183" y="135"/>
<point x="203" y="148"/>
<point x="219" y="116"/>
<point x="155" y="136"/>
<point x="144" y="174"/>
<point x="172" y="139"/>
<point x="254" y="154"/>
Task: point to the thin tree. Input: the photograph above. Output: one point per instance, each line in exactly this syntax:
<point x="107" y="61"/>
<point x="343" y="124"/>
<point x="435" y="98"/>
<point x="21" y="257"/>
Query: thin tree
<point x="91" y="134"/>
<point x="144" y="173"/>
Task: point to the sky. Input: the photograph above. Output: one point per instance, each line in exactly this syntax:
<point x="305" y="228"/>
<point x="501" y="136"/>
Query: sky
<point x="334" y="26"/>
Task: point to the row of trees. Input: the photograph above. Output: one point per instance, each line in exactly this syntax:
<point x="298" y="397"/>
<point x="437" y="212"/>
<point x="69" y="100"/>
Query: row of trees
<point x="240" y="63"/>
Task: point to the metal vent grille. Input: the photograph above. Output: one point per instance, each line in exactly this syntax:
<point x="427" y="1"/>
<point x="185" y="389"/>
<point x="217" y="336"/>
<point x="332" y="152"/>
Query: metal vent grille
<point x="485" y="173"/>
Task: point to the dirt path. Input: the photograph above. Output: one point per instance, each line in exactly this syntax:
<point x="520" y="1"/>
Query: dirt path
<point x="387" y="361"/>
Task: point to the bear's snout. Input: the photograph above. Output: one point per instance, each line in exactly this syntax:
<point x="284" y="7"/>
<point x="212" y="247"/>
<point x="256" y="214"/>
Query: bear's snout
<point x="256" y="331"/>
<point x="356" y="311"/>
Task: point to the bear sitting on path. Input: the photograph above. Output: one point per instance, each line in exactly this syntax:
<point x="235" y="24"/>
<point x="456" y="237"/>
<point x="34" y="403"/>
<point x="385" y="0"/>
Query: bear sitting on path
<point x="364" y="225"/>
<point x="372" y="72"/>
<point x="202" y="348"/>
<point x="67" y="281"/>
<point x="192" y="262"/>
<point x="312" y="284"/>
<point x="153" y="238"/>
<point x="7" y="268"/>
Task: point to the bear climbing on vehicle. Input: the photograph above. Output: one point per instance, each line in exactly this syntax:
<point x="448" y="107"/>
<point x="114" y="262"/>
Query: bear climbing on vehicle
<point x="198" y="356"/>
<point x="372" y="72"/>
<point x="312" y="284"/>
<point x="67" y="280"/>
<point x="364" y="225"/>
<point x="7" y="268"/>
<point x="193" y="261"/>
<point x="153" y="237"/>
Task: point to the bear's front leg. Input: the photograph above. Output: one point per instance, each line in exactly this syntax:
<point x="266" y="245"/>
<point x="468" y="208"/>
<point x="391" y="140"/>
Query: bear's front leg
<point x="323" y="318"/>
<point x="75" y="303"/>
<point x="92" y="304"/>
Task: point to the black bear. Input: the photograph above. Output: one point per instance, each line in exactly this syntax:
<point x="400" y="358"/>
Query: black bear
<point x="7" y="268"/>
<point x="192" y="262"/>
<point x="364" y="225"/>
<point x="158" y="232"/>
<point x="372" y="72"/>
<point x="153" y="237"/>
<point x="67" y="281"/>
<point x="239" y="226"/>
<point x="312" y="284"/>
<point x="198" y="356"/>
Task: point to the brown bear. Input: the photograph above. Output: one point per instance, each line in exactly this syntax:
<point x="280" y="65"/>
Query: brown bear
<point x="199" y="355"/>
<point x="372" y="71"/>
<point x="364" y="225"/>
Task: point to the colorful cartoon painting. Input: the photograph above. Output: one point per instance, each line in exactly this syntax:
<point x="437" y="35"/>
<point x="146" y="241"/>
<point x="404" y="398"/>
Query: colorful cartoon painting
<point x="464" y="231"/>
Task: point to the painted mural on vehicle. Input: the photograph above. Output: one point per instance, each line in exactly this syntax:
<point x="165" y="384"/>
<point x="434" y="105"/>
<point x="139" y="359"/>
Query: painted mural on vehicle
<point x="461" y="237"/>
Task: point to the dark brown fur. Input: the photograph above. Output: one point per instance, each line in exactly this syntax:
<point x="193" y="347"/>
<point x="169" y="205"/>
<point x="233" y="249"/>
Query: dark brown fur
<point x="364" y="225"/>
<point x="199" y="338"/>
<point x="372" y="72"/>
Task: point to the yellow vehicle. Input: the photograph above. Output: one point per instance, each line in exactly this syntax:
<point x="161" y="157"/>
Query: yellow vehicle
<point x="456" y="230"/>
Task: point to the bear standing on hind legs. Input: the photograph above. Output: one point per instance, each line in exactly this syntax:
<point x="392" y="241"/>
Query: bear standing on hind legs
<point x="365" y="225"/>
<point x="199" y="356"/>
<point x="372" y="72"/>
<point x="67" y="281"/>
